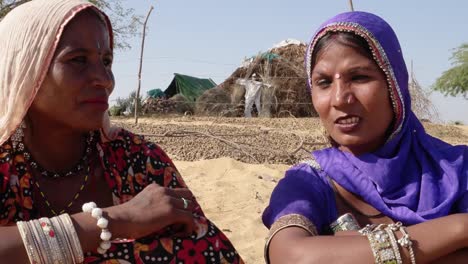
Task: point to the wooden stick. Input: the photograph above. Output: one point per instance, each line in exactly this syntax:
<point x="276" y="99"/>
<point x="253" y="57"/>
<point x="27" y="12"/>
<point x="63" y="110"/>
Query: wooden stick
<point x="351" y="5"/>
<point x="137" y="96"/>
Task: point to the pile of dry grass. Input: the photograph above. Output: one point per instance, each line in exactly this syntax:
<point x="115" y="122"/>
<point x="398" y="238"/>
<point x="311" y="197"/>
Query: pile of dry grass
<point x="421" y="105"/>
<point x="214" y="102"/>
<point x="237" y="100"/>
<point x="178" y="104"/>
<point x="287" y="94"/>
<point x="157" y="106"/>
<point x="181" y="104"/>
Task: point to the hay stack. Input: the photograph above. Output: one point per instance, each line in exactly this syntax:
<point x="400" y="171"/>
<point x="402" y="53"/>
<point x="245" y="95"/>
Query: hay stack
<point x="157" y="106"/>
<point x="237" y="100"/>
<point x="178" y="104"/>
<point x="286" y="74"/>
<point x="181" y="104"/>
<point x="214" y="102"/>
<point x="268" y="101"/>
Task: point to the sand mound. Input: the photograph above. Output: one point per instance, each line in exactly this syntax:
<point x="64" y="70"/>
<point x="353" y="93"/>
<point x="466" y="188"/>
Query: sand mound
<point x="233" y="195"/>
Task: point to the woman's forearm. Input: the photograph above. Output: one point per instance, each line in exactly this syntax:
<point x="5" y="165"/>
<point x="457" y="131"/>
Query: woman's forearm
<point x="433" y="240"/>
<point x="458" y="257"/>
<point x="12" y="249"/>
<point x="294" y="245"/>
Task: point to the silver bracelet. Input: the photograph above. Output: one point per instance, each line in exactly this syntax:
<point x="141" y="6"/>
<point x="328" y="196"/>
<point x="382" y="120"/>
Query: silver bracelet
<point x="51" y="235"/>
<point x="73" y="239"/>
<point x="28" y="241"/>
<point x="43" y="245"/>
<point x="394" y="243"/>
<point x="406" y="242"/>
<point x="61" y="237"/>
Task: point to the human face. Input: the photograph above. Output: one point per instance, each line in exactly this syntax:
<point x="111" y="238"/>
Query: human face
<point x="79" y="81"/>
<point x="349" y="92"/>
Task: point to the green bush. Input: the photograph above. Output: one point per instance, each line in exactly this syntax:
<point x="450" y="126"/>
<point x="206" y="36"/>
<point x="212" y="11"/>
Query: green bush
<point x="115" y="111"/>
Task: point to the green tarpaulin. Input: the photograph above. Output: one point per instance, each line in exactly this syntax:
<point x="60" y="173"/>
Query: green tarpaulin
<point x="155" y="93"/>
<point x="188" y="86"/>
<point x="266" y="55"/>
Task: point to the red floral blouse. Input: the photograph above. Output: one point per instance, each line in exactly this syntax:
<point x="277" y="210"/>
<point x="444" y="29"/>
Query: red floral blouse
<point x="130" y="163"/>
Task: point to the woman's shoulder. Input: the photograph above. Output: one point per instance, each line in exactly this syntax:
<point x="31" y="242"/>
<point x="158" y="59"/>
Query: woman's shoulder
<point x="134" y="143"/>
<point x="304" y="190"/>
<point x="307" y="171"/>
<point x="127" y="137"/>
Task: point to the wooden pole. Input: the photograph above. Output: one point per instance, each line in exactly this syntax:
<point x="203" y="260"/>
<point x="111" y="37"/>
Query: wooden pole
<point x="141" y="65"/>
<point x="351" y="5"/>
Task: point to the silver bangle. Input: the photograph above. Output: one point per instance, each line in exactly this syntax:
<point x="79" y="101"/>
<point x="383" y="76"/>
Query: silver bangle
<point x="77" y="251"/>
<point x="62" y="241"/>
<point x="383" y="244"/>
<point x="394" y="243"/>
<point x="28" y="242"/>
<point x="345" y="222"/>
<point x="50" y="233"/>
<point x="36" y="242"/>
<point x="406" y="242"/>
<point x="43" y="245"/>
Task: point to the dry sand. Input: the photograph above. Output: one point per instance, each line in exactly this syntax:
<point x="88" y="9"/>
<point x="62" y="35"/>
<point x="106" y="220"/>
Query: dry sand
<point x="217" y="161"/>
<point x="233" y="195"/>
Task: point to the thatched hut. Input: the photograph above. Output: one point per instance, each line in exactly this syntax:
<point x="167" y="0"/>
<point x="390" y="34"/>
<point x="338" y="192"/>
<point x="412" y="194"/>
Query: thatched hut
<point x="282" y="69"/>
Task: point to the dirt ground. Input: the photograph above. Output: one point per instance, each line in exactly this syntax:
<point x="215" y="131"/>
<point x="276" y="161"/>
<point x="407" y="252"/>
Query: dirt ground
<point x="254" y="140"/>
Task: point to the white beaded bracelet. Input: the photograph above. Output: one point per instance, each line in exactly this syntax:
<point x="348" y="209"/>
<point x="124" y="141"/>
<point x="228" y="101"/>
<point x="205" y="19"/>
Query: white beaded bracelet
<point x="102" y="223"/>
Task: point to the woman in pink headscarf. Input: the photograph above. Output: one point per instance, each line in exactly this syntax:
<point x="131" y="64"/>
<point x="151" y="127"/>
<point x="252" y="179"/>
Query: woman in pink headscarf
<point x="74" y="189"/>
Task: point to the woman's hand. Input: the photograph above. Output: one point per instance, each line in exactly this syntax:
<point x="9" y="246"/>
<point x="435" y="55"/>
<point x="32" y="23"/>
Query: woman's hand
<point x="151" y="210"/>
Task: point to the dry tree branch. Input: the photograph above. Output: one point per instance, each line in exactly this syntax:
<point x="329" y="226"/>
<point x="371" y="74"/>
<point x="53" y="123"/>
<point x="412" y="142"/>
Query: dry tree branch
<point x="183" y="133"/>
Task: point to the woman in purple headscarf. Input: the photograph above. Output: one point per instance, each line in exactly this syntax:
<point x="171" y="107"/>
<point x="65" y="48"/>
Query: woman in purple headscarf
<point x="408" y="191"/>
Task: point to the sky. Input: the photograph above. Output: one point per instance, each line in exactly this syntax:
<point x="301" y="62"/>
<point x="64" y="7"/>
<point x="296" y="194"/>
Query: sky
<point x="210" y="38"/>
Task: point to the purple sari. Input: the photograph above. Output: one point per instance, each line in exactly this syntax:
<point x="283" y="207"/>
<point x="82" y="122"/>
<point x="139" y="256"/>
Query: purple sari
<point x="412" y="178"/>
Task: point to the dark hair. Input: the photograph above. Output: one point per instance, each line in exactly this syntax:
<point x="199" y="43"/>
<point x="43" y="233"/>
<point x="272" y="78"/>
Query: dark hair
<point x="345" y="38"/>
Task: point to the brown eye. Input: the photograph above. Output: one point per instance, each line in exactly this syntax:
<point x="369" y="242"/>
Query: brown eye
<point x="107" y="61"/>
<point x="79" y="59"/>
<point x="322" y="83"/>
<point x="360" y="78"/>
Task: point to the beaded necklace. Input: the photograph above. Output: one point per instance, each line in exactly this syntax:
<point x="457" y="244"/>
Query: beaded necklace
<point x="75" y="197"/>
<point x="76" y="169"/>
<point x="83" y="163"/>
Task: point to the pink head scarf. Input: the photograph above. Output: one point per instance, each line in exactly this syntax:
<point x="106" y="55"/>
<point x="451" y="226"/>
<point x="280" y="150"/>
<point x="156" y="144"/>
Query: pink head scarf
<point x="30" y="35"/>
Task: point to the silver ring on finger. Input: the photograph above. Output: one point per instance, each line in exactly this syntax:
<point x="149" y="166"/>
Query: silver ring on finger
<point x="185" y="202"/>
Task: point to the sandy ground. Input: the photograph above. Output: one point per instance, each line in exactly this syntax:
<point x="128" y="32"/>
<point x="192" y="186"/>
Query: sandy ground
<point x="233" y="164"/>
<point x="233" y="195"/>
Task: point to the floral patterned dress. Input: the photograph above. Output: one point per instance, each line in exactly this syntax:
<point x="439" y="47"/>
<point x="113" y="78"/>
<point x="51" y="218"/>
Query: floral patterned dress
<point x="129" y="163"/>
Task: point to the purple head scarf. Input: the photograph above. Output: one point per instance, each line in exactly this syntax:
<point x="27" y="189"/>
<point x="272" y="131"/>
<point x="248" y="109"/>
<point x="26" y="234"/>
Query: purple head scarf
<point x="413" y="177"/>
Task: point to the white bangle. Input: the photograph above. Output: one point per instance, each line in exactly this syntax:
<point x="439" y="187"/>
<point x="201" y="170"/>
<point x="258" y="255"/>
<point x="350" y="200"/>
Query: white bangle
<point x="102" y="223"/>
